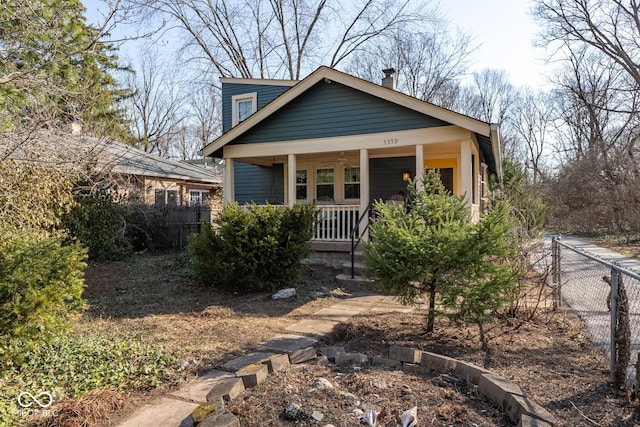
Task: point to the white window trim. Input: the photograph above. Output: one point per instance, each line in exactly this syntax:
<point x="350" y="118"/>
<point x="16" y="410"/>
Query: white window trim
<point x="235" y="99"/>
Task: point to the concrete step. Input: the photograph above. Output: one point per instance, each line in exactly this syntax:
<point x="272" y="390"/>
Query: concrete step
<point x="358" y="281"/>
<point x="358" y="268"/>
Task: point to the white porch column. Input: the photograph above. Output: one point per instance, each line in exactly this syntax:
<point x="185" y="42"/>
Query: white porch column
<point x="364" y="186"/>
<point x="291" y="179"/>
<point x="419" y="167"/>
<point x="466" y="181"/>
<point x="228" y="191"/>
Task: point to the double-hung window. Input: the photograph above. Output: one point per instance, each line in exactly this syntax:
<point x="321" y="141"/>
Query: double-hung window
<point x="301" y="184"/>
<point x="242" y="106"/>
<point x="352" y="182"/>
<point x="325" y="178"/>
<point x="165" y="197"/>
<point x="198" y="197"/>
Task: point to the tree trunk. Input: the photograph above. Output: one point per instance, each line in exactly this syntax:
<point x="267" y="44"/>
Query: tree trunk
<point x="431" y="316"/>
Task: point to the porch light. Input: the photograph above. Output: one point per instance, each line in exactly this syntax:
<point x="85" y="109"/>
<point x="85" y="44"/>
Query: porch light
<point x="406" y="175"/>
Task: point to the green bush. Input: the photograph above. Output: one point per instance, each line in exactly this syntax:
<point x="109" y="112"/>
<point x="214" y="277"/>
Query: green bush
<point x="528" y="210"/>
<point x="70" y="365"/>
<point x="99" y="223"/>
<point x="32" y="196"/>
<point x="41" y="283"/>
<point x="253" y="248"/>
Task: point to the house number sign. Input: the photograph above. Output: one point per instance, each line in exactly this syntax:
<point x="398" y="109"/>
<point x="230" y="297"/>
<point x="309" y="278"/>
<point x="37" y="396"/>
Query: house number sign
<point x="390" y="141"/>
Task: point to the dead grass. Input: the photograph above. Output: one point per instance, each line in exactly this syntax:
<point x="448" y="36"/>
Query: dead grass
<point x="89" y="409"/>
<point x="152" y="299"/>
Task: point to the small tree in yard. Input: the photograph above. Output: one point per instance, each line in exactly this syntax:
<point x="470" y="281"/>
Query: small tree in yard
<point x="433" y="249"/>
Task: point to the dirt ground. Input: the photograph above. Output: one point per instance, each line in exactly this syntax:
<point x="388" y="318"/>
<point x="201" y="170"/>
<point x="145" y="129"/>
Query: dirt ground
<point x="551" y="357"/>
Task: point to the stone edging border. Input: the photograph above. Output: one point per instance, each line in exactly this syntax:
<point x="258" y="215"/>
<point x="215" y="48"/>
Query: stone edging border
<point x="505" y="393"/>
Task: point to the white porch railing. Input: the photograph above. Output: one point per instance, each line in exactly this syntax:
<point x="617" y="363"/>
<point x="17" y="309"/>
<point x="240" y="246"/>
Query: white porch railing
<point x="335" y="222"/>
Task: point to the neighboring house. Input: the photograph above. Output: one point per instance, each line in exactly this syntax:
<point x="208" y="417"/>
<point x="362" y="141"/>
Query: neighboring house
<point x="154" y="180"/>
<point x="142" y="177"/>
<point x="339" y="142"/>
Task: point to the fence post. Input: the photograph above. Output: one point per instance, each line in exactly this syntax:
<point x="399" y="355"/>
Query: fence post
<point x="614" y="320"/>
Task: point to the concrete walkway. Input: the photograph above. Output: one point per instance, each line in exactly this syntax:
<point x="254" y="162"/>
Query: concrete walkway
<point x="174" y="409"/>
<point x="600" y="252"/>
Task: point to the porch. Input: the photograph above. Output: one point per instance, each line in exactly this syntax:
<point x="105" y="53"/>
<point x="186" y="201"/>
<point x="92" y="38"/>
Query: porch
<point x="341" y="184"/>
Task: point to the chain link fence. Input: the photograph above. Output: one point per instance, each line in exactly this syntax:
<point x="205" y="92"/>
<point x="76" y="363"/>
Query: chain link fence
<point x="607" y="298"/>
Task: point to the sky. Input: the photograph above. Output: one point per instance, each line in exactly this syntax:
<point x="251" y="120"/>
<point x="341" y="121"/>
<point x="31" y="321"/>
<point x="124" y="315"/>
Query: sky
<point x="505" y="32"/>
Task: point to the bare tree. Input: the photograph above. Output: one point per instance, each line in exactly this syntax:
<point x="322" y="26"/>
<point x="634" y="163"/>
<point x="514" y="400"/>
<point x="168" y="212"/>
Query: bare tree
<point x="206" y="115"/>
<point x="532" y="117"/>
<point x="611" y="27"/>
<point x="429" y="64"/>
<point x="597" y="138"/>
<point x="492" y="95"/>
<point x="155" y="109"/>
<point x="281" y="38"/>
<point x="596" y="117"/>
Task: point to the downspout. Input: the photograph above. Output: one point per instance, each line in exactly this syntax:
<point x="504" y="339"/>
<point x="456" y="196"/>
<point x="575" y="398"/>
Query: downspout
<point x="494" y="135"/>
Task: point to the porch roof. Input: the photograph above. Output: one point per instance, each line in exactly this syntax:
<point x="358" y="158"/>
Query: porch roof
<point x="486" y="134"/>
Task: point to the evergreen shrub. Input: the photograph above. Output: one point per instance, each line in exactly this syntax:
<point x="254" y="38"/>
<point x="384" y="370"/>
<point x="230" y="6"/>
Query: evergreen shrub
<point x="253" y="248"/>
<point x="101" y="224"/>
<point x="432" y="249"/>
<point x="41" y="283"/>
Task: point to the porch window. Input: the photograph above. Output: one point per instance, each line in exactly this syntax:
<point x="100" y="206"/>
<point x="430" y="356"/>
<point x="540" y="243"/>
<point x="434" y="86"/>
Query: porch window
<point x="352" y="182"/>
<point x="446" y="177"/>
<point x="325" y="179"/>
<point x="301" y="184"/>
<point x="198" y="197"/>
<point x="165" y="197"/>
<point x="242" y="106"/>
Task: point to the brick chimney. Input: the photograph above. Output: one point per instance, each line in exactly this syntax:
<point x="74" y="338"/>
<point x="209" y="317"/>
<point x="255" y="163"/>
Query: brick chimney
<point x="389" y="80"/>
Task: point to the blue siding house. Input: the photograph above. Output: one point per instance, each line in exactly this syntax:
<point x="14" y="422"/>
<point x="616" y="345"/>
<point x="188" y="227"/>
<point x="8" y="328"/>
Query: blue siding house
<point x="338" y="142"/>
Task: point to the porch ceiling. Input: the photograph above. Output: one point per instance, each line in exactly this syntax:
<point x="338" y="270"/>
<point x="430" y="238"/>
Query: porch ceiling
<point x="353" y="156"/>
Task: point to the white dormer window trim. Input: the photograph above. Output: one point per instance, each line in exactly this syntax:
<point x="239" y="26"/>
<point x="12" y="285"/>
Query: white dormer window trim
<point x="239" y="101"/>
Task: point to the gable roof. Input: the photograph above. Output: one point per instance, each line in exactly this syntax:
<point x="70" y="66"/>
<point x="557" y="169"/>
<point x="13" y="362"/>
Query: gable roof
<point x="486" y="133"/>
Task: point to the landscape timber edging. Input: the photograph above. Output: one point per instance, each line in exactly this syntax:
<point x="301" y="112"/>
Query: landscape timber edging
<point x="505" y="393"/>
<point x="508" y="395"/>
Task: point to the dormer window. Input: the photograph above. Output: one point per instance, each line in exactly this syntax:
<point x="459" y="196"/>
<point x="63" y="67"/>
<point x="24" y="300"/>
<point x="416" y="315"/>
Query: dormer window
<point x="242" y="106"/>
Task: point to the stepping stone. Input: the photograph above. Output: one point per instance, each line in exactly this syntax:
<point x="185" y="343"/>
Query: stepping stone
<point x="313" y="327"/>
<point x="288" y="343"/>
<point x="392" y="308"/>
<point x="246" y="360"/>
<point x="164" y="411"/>
<point x="198" y="389"/>
<point x="337" y="313"/>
